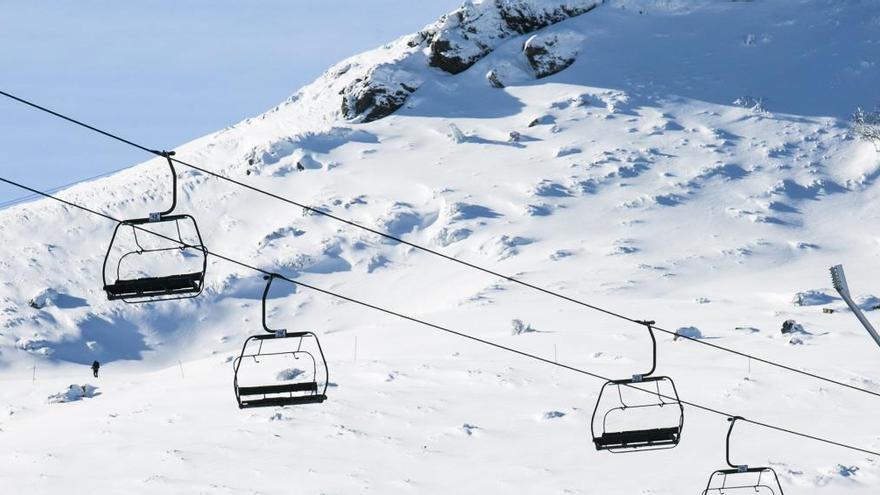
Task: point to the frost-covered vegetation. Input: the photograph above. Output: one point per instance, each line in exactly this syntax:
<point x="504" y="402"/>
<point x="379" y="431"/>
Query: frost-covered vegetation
<point x="866" y="126"/>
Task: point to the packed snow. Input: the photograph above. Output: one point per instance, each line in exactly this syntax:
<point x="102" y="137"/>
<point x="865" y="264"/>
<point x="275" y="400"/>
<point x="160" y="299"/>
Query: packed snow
<point x="695" y="164"/>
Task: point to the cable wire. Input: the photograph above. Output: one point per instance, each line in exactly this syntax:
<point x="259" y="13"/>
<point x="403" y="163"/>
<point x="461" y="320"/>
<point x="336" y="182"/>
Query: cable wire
<point x="552" y="293"/>
<point x="449" y="330"/>
<point x="29" y="197"/>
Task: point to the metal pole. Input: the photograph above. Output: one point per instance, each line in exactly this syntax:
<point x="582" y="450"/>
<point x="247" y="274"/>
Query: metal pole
<point x="838" y="278"/>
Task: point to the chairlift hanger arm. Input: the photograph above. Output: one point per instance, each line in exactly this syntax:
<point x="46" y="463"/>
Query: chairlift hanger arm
<point x="269" y="278"/>
<point x="742" y="468"/>
<point x="158" y="216"/>
<point x="738" y="467"/>
<point x="650" y="325"/>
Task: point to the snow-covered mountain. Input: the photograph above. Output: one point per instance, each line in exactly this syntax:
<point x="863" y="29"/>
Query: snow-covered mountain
<point x="685" y="161"/>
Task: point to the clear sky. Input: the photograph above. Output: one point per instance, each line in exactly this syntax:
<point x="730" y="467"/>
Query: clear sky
<point x="163" y="72"/>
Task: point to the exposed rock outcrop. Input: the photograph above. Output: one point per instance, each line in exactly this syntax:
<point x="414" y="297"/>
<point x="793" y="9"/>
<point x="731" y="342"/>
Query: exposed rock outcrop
<point x="458" y="40"/>
<point x="380" y="93"/>
<point x="549" y="53"/>
<point x="453" y="44"/>
<point x="526" y="16"/>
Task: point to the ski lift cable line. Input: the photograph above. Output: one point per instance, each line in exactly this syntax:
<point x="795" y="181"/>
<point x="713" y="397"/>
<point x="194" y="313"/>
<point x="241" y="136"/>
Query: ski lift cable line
<point x="428" y="250"/>
<point x="29" y="197"/>
<point x="452" y="331"/>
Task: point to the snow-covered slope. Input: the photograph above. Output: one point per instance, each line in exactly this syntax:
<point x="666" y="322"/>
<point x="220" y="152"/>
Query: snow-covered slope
<point x="691" y="162"/>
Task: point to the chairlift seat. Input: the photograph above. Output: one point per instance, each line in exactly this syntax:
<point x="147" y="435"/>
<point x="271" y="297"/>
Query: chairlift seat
<point x="655" y="437"/>
<point x="311" y="387"/>
<point x="186" y="283"/>
<point x="283" y="388"/>
<point x="283" y="401"/>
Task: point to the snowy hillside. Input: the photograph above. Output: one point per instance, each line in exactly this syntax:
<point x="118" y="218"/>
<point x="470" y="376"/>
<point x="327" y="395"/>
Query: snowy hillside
<point x="684" y="161"/>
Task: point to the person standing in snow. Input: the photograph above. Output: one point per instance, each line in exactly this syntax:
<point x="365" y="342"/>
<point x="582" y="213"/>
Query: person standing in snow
<point x="95" y="367"/>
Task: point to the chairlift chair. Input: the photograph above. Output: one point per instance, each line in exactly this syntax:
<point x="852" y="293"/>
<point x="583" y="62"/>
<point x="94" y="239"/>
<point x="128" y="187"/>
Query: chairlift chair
<point x="132" y="270"/>
<point x="742" y="479"/>
<point x="272" y="351"/>
<point x="629" y="426"/>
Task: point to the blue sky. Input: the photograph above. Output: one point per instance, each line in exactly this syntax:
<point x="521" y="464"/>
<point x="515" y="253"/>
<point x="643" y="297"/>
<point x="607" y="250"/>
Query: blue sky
<point x="163" y="72"/>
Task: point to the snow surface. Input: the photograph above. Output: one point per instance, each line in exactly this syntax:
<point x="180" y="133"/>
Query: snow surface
<point x="679" y="205"/>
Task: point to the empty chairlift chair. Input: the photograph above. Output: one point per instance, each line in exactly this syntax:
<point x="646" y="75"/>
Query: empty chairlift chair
<point x="160" y="257"/>
<point x="626" y="419"/>
<point x="280" y="368"/>
<point x="742" y="479"/>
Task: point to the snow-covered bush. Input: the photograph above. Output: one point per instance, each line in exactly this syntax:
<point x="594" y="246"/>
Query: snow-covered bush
<point x="74" y="393"/>
<point x="43" y="298"/>
<point x="688" y="333"/>
<point x="505" y="246"/>
<point x="289" y="374"/>
<point x="866" y="126"/>
<point x="812" y="298"/>
<point x="518" y="327"/>
<point x="753" y="103"/>
<point x="868" y="302"/>
<point x="791" y="326"/>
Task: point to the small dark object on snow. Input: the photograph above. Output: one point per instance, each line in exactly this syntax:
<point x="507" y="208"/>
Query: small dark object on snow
<point x="791" y="326"/>
<point x="827" y="310"/>
<point x="95" y="367"/>
<point x="300" y="167"/>
<point x="514" y="137"/>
